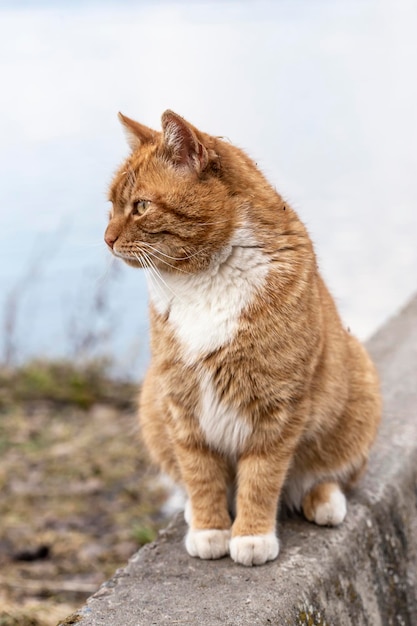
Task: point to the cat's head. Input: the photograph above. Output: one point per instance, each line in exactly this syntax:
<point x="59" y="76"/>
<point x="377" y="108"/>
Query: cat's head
<point x="173" y="199"/>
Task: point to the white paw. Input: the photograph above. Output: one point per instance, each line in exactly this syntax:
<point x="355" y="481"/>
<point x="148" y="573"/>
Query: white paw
<point x="207" y="544"/>
<point x="333" y="512"/>
<point x="254" y="549"/>
<point x="188" y="512"/>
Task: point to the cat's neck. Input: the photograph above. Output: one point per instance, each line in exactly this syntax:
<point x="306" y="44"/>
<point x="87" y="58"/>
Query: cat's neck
<point x="204" y="308"/>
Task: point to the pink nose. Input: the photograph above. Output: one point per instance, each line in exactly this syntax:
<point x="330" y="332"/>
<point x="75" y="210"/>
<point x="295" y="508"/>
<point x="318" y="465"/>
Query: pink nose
<point x="110" y="240"/>
<point x="110" y="236"/>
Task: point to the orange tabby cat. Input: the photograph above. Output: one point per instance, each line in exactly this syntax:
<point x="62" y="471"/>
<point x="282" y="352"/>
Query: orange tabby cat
<point x="255" y="391"/>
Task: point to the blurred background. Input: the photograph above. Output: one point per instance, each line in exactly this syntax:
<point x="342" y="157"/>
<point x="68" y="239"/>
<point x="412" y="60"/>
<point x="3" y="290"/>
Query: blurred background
<point x="320" y="93"/>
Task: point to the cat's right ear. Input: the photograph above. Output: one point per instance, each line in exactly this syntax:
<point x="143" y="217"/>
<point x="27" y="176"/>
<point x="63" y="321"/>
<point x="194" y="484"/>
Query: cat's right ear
<point x="182" y="144"/>
<point x="136" y="134"/>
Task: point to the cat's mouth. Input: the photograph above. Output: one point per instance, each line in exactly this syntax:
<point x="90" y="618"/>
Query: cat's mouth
<point x="131" y="260"/>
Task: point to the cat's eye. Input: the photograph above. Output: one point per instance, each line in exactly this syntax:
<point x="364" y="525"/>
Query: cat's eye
<point x="140" y="207"/>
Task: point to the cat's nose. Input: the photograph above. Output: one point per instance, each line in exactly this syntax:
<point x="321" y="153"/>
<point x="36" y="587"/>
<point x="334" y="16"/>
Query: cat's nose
<point x="110" y="236"/>
<point x="110" y="240"/>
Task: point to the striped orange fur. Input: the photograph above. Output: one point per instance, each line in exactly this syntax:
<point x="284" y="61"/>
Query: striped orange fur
<point x="255" y="391"/>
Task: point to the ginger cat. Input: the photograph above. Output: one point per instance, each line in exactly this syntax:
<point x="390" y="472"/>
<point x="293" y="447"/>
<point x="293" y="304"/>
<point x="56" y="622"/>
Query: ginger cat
<point x="255" y="391"/>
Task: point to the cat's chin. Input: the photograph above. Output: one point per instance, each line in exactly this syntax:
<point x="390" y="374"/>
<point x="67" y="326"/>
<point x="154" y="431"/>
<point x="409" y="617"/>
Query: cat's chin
<point x="132" y="262"/>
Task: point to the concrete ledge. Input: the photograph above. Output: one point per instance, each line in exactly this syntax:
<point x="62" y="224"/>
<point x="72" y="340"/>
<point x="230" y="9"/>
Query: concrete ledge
<point x="363" y="573"/>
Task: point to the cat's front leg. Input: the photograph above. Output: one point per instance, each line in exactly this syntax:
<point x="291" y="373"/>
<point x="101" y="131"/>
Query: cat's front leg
<point x="205" y="476"/>
<point x="260" y="479"/>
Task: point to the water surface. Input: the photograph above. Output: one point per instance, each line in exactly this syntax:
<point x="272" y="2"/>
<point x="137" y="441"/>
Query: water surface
<point x="321" y="94"/>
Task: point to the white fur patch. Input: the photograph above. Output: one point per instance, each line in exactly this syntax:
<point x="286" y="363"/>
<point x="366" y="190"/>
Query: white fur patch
<point x="204" y="308"/>
<point x="333" y="512"/>
<point x="176" y="496"/>
<point x="254" y="549"/>
<point x="207" y="544"/>
<point x="224" y="428"/>
<point x="188" y="512"/>
<point x="296" y="486"/>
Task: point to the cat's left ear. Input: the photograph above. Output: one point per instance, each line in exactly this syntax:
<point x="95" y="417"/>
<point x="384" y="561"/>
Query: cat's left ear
<point x="136" y="134"/>
<point x="183" y="146"/>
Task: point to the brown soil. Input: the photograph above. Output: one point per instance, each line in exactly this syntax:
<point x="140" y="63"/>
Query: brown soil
<point x="77" y="498"/>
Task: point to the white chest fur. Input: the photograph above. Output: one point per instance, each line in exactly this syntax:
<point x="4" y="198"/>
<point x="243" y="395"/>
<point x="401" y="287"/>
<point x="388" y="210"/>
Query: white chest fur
<point x="204" y="308"/>
<point x="204" y="311"/>
<point x="224" y="428"/>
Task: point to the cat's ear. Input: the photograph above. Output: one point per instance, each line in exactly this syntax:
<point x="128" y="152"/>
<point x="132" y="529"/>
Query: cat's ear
<point x="136" y="134"/>
<point x="183" y="146"/>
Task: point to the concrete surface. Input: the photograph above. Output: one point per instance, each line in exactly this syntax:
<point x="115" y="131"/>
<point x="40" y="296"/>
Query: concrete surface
<point x="363" y="573"/>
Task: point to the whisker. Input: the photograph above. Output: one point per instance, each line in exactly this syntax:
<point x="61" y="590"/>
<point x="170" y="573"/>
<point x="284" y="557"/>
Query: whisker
<point x="148" y="271"/>
<point x="156" y="280"/>
<point x="150" y="274"/>
<point x="173" y="258"/>
<point x="109" y="266"/>
<point x="155" y="256"/>
<point x="159" y="275"/>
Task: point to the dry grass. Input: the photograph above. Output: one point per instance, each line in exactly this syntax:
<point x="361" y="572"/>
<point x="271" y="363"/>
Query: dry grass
<point x="64" y="383"/>
<point x="77" y="497"/>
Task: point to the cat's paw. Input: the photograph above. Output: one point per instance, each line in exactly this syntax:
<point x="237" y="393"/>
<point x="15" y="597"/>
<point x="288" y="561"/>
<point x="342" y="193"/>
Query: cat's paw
<point x="325" y="505"/>
<point x="254" y="549"/>
<point x="207" y="544"/>
<point x="332" y="512"/>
